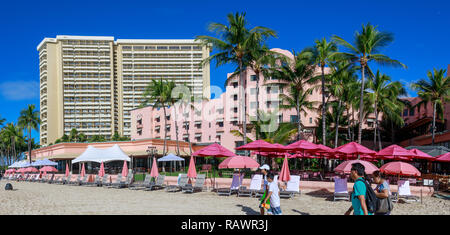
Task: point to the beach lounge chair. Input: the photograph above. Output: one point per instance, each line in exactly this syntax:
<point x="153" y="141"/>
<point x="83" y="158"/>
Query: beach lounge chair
<point x="115" y="184"/>
<point x="105" y="180"/>
<point x="43" y="178"/>
<point x="159" y="184"/>
<point x="255" y="186"/>
<point x="236" y="182"/>
<point x="124" y="184"/>
<point x="68" y="179"/>
<point x="292" y="188"/>
<point x="143" y="185"/>
<point x="49" y="179"/>
<point x="198" y="187"/>
<point x="82" y="180"/>
<point x="182" y="181"/>
<point x="340" y="189"/>
<point x="96" y="182"/>
<point x="35" y="178"/>
<point x="74" y="182"/>
<point x="404" y="192"/>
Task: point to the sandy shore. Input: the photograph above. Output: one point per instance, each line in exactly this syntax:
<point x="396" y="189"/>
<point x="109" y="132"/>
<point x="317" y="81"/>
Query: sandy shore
<point x="44" y="199"/>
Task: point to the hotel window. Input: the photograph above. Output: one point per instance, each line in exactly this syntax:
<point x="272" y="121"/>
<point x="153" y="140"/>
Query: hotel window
<point x="234" y="123"/>
<point x="220" y="124"/>
<point x="310" y="120"/>
<point x="252" y="78"/>
<point x="411" y="112"/>
<point x="198" y="125"/>
<point x="253" y="91"/>
<point x="234" y="84"/>
<point x="252" y="105"/>
<point x="405" y="112"/>
<point x="294" y="118"/>
<point x="235" y="97"/>
<point x="235" y="109"/>
<point x="198" y="139"/>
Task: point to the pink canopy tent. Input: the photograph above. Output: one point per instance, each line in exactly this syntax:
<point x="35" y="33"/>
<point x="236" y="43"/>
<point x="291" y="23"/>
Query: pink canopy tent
<point x="154" y="172"/>
<point x="353" y="149"/>
<point x="124" y="169"/>
<point x="262" y="146"/>
<point x="192" y="172"/>
<point x="285" y="175"/>
<point x="101" y="172"/>
<point x="346" y="166"/>
<point x="395" y="152"/>
<point x="67" y="170"/>
<point x="83" y="171"/>
<point x="400" y="168"/>
<point x="443" y="158"/>
<point x="214" y="150"/>
<point x="238" y="162"/>
<point x="31" y="169"/>
<point x="421" y="155"/>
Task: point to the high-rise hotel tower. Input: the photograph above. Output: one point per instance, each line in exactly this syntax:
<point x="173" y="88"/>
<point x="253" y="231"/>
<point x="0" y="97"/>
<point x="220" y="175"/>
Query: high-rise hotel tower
<point x="91" y="83"/>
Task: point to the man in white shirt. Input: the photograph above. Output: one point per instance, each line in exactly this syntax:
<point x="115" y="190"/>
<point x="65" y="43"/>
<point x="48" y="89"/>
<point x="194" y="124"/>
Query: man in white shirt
<point x="274" y="195"/>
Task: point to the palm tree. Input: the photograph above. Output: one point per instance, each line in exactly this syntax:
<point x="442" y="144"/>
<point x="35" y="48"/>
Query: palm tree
<point x="298" y="100"/>
<point x="29" y="119"/>
<point x="296" y="74"/>
<point x="156" y="94"/>
<point x="366" y="48"/>
<point x="234" y="44"/>
<point x="13" y="134"/>
<point x="435" y="90"/>
<point x="384" y="96"/>
<point x="342" y="81"/>
<point x="323" y="53"/>
<point x="172" y="100"/>
<point x="73" y="136"/>
<point x="2" y="121"/>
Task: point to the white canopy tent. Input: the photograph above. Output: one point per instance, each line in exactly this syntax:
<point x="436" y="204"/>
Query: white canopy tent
<point x="92" y="154"/>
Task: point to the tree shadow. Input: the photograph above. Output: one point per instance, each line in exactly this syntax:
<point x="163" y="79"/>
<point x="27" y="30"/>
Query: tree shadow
<point x="248" y="210"/>
<point x="321" y="193"/>
<point x="302" y="213"/>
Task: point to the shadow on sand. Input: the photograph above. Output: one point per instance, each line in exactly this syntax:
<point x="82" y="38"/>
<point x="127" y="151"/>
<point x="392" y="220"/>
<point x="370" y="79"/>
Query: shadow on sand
<point x="321" y="193"/>
<point x="301" y="213"/>
<point x="248" y="210"/>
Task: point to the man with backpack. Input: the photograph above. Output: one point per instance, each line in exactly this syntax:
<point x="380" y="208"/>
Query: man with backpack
<point x="363" y="197"/>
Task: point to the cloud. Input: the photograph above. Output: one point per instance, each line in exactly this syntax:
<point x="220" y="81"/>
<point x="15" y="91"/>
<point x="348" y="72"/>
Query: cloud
<point x="19" y="90"/>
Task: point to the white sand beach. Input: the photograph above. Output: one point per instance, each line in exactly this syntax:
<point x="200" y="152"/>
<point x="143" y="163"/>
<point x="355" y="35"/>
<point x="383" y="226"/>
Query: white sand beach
<point x="48" y="199"/>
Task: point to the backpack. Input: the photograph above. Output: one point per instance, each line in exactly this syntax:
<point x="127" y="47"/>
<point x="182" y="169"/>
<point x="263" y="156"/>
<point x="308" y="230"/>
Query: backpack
<point x="8" y="186"/>
<point x="370" y="197"/>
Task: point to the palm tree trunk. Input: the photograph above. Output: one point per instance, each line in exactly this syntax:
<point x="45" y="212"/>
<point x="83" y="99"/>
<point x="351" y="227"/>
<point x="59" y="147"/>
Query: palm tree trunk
<point x="349" y="125"/>
<point x="353" y="124"/>
<point x="324" y="134"/>
<point x="361" y="106"/>
<point x="29" y="143"/>
<point x="337" y="124"/>
<point x="165" y="130"/>
<point x="392" y="132"/>
<point x="176" y="133"/>
<point x="299" y="127"/>
<point x="434" y="124"/>
<point x="257" y="102"/>
<point x="375" y="129"/>
<point x="243" y="104"/>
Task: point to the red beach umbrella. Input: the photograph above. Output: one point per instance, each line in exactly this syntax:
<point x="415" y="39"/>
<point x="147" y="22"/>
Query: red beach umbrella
<point x="238" y="162"/>
<point x="101" y="172"/>
<point x="48" y="169"/>
<point x="154" y="172"/>
<point x="421" y="155"/>
<point x="443" y="158"/>
<point x="346" y="166"/>
<point x="285" y="175"/>
<point x="395" y="152"/>
<point x="125" y="169"/>
<point x="400" y="168"/>
<point x="214" y="150"/>
<point x="192" y="172"/>
<point x="83" y="171"/>
<point x="353" y="148"/>
<point x="67" y="170"/>
<point x="261" y="146"/>
<point x="31" y="169"/>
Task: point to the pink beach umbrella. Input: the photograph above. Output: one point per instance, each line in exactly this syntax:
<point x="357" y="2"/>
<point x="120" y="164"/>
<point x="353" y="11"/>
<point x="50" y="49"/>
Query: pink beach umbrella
<point x="215" y="150"/>
<point x="285" y="175"/>
<point x="443" y="158"/>
<point x="301" y="146"/>
<point x="124" y="169"/>
<point x="238" y="162"/>
<point x="353" y="149"/>
<point x="31" y="169"/>
<point x="154" y="172"/>
<point x="421" y="155"/>
<point x="101" y="172"/>
<point x="400" y="168"/>
<point x="48" y="169"/>
<point x="67" y="170"/>
<point x="192" y="172"/>
<point x="395" y="152"/>
<point x="83" y="171"/>
<point x="346" y="166"/>
<point x="261" y="146"/>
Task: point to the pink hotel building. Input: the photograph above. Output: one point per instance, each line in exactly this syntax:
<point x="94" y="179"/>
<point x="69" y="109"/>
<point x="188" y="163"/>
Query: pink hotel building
<point x="213" y="120"/>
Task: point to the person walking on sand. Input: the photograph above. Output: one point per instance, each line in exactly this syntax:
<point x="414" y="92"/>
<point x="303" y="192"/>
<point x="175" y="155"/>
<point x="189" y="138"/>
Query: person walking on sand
<point x="382" y="190"/>
<point x="358" y="196"/>
<point x="264" y="170"/>
<point x="274" y="195"/>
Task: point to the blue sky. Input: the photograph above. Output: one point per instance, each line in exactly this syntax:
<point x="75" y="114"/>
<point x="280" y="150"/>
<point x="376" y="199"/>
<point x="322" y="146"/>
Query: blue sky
<point x="421" y="30"/>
